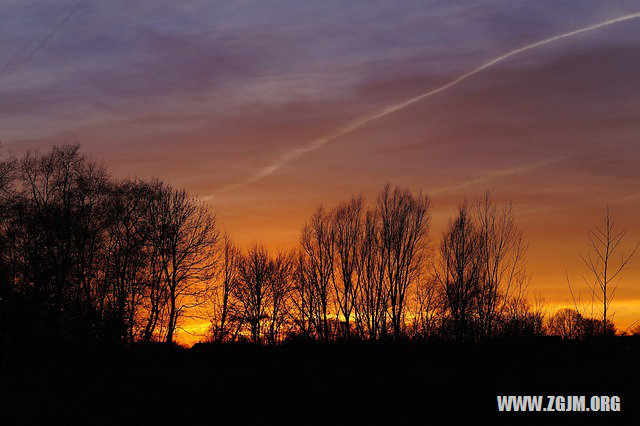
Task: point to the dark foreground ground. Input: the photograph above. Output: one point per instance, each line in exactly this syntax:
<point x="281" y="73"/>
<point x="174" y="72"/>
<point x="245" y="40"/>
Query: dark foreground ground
<point x="392" y="383"/>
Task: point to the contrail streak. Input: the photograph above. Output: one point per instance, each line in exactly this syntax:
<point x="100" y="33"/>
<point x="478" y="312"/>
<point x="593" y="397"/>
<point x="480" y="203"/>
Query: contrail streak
<point x="55" y="29"/>
<point x="499" y="174"/>
<point x="363" y="121"/>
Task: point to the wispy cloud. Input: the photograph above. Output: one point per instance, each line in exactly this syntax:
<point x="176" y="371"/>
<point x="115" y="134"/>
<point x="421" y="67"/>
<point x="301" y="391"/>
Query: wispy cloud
<point x="499" y="174"/>
<point x="21" y="58"/>
<point x="300" y="151"/>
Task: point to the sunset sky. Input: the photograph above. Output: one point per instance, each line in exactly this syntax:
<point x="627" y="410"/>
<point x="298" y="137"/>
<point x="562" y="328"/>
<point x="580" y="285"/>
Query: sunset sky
<point x="209" y="95"/>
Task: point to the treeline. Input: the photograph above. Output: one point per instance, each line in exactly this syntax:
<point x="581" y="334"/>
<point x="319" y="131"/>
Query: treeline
<point x="375" y="273"/>
<point x="85" y="256"/>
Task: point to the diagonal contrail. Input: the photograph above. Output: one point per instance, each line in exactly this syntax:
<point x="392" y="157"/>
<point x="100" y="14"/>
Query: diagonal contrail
<point x="362" y="121"/>
<point x="8" y="66"/>
<point x="499" y="174"/>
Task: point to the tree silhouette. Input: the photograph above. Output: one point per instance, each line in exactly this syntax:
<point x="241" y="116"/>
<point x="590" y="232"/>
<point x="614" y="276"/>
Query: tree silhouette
<point x="86" y="257"/>
<point x="227" y="316"/>
<point x="459" y="271"/>
<point x="254" y="289"/>
<point x="318" y="268"/>
<point x="404" y="218"/>
<point x="566" y="323"/>
<point x="605" y="243"/>
<point x="502" y="255"/>
<point x="372" y="297"/>
<point x="184" y="234"/>
<point x="348" y="231"/>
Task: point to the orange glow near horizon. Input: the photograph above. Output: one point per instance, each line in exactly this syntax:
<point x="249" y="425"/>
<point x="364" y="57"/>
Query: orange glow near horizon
<point x="554" y="250"/>
<point x="207" y="97"/>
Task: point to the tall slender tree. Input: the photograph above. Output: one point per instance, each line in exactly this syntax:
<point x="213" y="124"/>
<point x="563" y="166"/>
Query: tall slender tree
<point x="606" y="262"/>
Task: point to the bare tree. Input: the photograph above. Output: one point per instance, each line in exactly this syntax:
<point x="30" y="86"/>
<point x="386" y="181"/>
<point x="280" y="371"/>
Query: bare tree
<point x="606" y="268"/>
<point x="566" y="323"/>
<point x="7" y="176"/>
<point x="59" y="222"/>
<point x="301" y="296"/>
<point x="225" y="321"/>
<point x="318" y="249"/>
<point x="347" y="221"/>
<point x="280" y="288"/>
<point x="253" y="291"/>
<point x="459" y="270"/>
<point x="185" y="237"/>
<point x="126" y="263"/>
<point x="156" y="293"/>
<point x="427" y="312"/>
<point x="373" y="297"/>
<point x="522" y="315"/>
<point x="94" y="258"/>
<point x="502" y="253"/>
<point x="404" y="219"/>
<point x="7" y="249"/>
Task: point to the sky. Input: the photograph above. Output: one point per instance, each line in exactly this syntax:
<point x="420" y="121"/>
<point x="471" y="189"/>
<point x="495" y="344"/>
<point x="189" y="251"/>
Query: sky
<point x="229" y="100"/>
